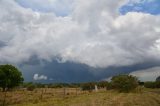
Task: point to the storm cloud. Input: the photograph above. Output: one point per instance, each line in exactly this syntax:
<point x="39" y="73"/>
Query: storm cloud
<point x="93" y="33"/>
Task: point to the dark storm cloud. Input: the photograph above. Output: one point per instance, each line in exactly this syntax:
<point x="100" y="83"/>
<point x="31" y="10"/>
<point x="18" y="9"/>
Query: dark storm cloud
<point x="72" y="72"/>
<point x="2" y="44"/>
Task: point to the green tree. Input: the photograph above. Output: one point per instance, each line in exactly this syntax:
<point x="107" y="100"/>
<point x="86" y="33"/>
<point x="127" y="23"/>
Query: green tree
<point x="10" y="77"/>
<point x="31" y="87"/>
<point x="88" y="86"/>
<point x="150" y="84"/>
<point x="124" y="83"/>
<point x="158" y="78"/>
<point x="102" y="84"/>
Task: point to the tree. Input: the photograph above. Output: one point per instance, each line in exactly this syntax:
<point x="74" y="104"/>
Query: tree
<point x="102" y="84"/>
<point x="31" y="87"/>
<point x="10" y="77"/>
<point x="158" y="78"/>
<point x="124" y="83"/>
<point x="88" y="86"/>
<point x="150" y="84"/>
<point x="155" y="84"/>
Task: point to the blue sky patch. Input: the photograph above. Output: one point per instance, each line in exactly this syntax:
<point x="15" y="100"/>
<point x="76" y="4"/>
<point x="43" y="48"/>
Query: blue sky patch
<point x="59" y="7"/>
<point x="64" y="7"/>
<point x="145" y="6"/>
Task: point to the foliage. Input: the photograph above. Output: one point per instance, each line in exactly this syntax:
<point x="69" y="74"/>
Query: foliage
<point x="88" y="86"/>
<point x="61" y="85"/>
<point x="109" y="86"/>
<point x="124" y="83"/>
<point x="157" y="84"/>
<point x="158" y="78"/>
<point x="140" y="83"/>
<point x="102" y="84"/>
<point x="51" y="85"/>
<point x="10" y="77"/>
<point x="31" y="87"/>
<point x="150" y="84"/>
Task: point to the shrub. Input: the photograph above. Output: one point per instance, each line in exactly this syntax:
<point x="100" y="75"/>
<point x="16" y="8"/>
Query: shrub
<point x="124" y="83"/>
<point x="88" y="86"/>
<point x="150" y="84"/>
<point x="102" y="84"/>
<point x="157" y="84"/>
<point x="31" y="87"/>
<point x="158" y="78"/>
<point x="109" y="86"/>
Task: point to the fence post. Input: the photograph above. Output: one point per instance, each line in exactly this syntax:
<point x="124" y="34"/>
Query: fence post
<point x="41" y="94"/>
<point x="4" y="100"/>
<point x="64" y="92"/>
<point x="76" y="91"/>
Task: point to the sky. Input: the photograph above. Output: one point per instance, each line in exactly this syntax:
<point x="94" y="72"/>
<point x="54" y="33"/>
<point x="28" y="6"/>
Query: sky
<point x="79" y="40"/>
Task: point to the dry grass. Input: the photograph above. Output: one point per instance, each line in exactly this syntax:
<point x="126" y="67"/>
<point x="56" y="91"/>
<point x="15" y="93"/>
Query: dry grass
<point x="56" y="97"/>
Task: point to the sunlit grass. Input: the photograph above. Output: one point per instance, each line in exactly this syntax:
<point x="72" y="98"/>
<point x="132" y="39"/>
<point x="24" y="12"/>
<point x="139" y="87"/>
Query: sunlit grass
<point x="148" y="97"/>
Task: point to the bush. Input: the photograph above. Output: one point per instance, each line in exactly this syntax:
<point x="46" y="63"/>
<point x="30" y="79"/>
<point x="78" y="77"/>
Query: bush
<point x="150" y="84"/>
<point x="157" y="84"/>
<point x="102" y="84"/>
<point x="31" y="87"/>
<point x="109" y="86"/>
<point x="158" y="78"/>
<point x="124" y="83"/>
<point x="88" y="86"/>
<point x="141" y="83"/>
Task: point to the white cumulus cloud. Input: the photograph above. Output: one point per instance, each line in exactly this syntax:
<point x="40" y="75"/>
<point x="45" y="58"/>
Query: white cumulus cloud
<point x="94" y="33"/>
<point x="39" y="77"/>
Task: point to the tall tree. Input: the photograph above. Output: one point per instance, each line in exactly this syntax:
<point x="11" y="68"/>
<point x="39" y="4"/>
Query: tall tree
<point x="10" y="77"/>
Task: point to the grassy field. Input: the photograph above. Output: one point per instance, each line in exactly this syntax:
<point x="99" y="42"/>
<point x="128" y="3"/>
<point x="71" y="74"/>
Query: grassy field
<point x="76" y="97"/>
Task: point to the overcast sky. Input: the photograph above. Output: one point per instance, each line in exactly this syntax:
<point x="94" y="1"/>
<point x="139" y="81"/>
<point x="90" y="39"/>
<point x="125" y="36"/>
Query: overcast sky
<point x="97" y="34"/>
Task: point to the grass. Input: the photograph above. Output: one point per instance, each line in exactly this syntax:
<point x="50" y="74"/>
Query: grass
<point x="56" y="97"/>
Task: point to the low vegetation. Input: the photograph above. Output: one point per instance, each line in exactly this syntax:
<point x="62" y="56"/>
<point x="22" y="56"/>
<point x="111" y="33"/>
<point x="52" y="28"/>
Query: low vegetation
<point x="124" y="83"/>
<point x="123" y="90"/>
<point x="77" y="97"/>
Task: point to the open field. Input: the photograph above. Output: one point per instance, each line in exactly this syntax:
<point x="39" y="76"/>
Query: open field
<point x="76" y="97"/>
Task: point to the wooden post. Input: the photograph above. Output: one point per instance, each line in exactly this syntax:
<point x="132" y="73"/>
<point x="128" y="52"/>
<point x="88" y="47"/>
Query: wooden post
<point x="64" y="92"/>
<point x="4" y="100"/>
<point x="41" y="94"/>
<point x="46" y="88"/>
<point x="76" y="91"/>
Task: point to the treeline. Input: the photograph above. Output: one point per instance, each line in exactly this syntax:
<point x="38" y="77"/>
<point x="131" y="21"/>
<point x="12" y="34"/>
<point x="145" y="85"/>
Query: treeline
<point x="149" y="84"/>
<point x="11" y="77"/>
<point x="83" y="86"/>
<point x="31" y="86"/>
<point x="153" y="84"/>
<point x="123" y="83"/>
